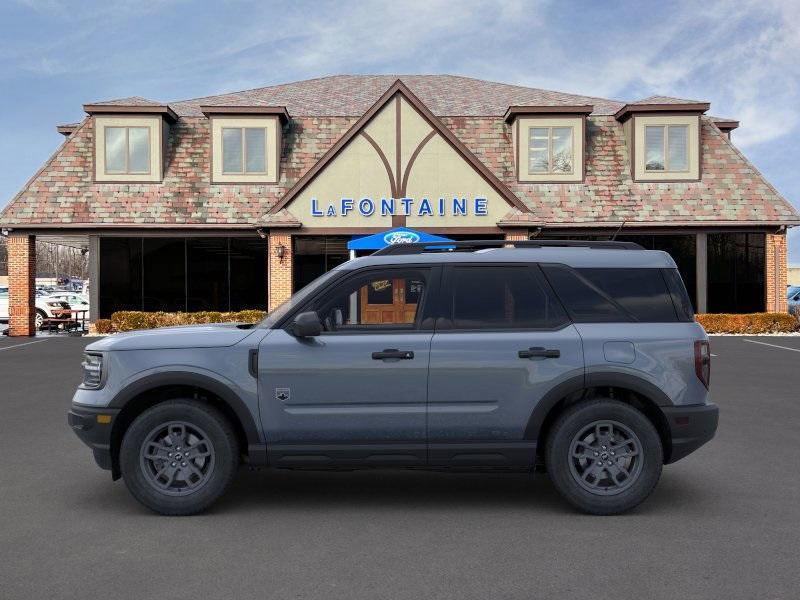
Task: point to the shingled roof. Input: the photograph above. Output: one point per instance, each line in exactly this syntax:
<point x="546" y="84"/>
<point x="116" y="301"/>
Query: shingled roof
<point x="731" y="191"/>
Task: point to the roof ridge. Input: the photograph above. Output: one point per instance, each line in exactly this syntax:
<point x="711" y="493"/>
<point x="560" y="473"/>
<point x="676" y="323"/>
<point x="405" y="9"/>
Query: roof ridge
<point x="260" y="88"/>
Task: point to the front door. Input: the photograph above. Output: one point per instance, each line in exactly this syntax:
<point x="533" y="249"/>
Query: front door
<point x="357" y="392"/>
<point x="389" y="301"/>
<point x="502" y="343"/>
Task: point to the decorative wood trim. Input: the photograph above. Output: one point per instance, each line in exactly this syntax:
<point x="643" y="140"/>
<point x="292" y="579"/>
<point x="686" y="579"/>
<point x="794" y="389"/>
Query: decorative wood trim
<point x="399" y="87"/>
<point x="384" y="160"/>
<point x="412" y="158"/>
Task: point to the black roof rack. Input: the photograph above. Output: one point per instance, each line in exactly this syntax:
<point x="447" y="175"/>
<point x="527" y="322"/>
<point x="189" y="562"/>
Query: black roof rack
<point x="472" y="245"/>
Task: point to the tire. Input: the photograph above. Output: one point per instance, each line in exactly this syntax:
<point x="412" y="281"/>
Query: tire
<point x="604" y="456"/>
<point x="39" y="318"/>
<point x="156" y="468"/>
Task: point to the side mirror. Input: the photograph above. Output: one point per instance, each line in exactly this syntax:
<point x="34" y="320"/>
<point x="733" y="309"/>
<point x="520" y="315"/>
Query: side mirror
<point x="306" y="324"/>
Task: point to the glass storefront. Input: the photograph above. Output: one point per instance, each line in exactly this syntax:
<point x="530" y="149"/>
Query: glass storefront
<point x="736" y="272"/>
<point x="182" y="274"/>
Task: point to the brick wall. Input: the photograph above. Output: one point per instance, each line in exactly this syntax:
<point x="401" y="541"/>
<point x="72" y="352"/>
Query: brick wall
<point x="21" y="284"/>
<point x="279" y="283"/>
<point x="775" y="273"/>
<point x="517" y="234"/>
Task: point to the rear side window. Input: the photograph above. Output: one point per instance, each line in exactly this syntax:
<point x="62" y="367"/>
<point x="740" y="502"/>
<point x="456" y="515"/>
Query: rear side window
<point x="642" y="292"/>
<point x="680" y="298"/>
<point x="502" y="298"/>
<point x="603" y="295"/>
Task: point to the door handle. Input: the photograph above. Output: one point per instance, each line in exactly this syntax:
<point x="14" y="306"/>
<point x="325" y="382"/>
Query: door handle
<point x="393" y="353"/>
<point x="539" y="352"/>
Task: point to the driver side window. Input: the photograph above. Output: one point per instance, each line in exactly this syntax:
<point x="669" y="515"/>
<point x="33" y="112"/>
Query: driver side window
<point x="386" y="299"/>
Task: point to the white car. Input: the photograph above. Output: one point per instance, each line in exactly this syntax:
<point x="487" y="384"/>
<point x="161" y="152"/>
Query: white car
<point x="45" y="305"/>
<point x="76" y="300"/>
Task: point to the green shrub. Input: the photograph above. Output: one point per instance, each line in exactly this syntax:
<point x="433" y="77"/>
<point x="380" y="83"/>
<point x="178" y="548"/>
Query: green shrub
<point x="751" y="323"/>
<point x="128" y="320"/>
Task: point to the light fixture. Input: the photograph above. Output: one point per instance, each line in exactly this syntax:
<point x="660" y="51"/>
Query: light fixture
<point x="261" y="233"/>
<point x="5" y="231"/>
<point x="280" y="252"/>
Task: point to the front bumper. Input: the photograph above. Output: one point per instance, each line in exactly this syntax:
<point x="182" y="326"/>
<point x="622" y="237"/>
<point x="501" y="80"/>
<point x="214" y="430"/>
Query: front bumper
<point x="690" y="427"/>
<point x="93" y="426"/>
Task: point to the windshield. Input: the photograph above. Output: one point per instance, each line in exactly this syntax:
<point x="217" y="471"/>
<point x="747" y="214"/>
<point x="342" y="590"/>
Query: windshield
<point x="296" y="299"/>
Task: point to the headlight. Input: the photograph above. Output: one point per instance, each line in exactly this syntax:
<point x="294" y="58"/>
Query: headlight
<point x="53" y="304"/>
<point x="92" y="371"/>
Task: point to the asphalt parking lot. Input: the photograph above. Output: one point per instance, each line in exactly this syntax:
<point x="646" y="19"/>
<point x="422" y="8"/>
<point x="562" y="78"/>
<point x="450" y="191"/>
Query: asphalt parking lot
<point x="723" y="523"/>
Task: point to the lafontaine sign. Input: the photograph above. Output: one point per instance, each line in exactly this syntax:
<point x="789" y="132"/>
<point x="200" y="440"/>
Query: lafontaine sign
<point x="422" y="207"/>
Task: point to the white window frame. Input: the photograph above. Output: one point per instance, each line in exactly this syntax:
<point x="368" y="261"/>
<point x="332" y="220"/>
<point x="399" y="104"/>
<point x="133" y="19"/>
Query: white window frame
<point x="158" y="132"/>
<point x="550" y="170"/>
<point x="635" y="134"/>
<point x="272" y="132"/>
<point x="244" y="171"/>
<point x="521" y="138"/>
<point x="665" y="148"/>
<point x="127" y="129"/>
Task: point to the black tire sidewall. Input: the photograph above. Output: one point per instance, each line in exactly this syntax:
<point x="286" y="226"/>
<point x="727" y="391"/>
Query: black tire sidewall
<point x="557" y="456"/>
<point x="221" y="435"/>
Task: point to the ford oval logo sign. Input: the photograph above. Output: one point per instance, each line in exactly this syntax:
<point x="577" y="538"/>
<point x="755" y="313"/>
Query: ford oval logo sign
<point x="401" y="237"/>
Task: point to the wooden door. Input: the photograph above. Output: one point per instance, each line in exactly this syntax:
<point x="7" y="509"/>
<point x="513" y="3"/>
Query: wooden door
<point x="389" y="301"/>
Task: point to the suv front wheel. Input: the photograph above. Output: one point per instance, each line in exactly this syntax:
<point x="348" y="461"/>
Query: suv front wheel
<point x="604" y="456"/>
<point x="179" y="456"/>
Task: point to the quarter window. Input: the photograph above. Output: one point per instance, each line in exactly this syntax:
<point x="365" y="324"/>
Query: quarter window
<point x="666" y="147"/>
<point x="550" y="150"/>
<point x="502" y="298"/>
<point x="244" y="150"/>
<point x="127" y="150"/>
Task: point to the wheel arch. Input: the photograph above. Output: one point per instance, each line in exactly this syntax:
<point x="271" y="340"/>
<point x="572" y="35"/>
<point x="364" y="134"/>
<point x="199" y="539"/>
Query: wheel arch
<point x="153" y="389"/>
<point x="630" y="389"/>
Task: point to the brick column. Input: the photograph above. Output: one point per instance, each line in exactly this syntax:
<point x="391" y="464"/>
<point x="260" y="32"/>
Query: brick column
<point x="21" y="284"/>
<point x="279" y="284"/>
<point x="775" y="273"/>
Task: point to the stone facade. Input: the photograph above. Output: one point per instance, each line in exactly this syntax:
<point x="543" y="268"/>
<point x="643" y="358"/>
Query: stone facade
<point x="22" y="284"/>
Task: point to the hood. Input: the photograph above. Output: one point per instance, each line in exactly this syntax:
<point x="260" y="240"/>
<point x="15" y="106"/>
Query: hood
<point x="213" y="335"/>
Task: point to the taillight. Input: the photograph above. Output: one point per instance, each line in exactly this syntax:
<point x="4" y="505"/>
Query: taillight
<point x="702" y="361"/>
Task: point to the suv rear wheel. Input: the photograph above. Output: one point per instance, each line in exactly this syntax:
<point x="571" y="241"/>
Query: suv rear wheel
<point x="604" y="456"/>
<point x="178" y="457"/>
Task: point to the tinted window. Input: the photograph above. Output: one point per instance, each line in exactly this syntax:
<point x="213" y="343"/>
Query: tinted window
<point x="501" y="298"/>
<point x="680" y="299"/>
<point x="585" y="302"/>
<point x="641" y="292"/>
<point x="380" y="300"/>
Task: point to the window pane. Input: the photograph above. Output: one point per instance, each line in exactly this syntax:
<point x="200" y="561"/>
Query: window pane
<point x="374" y="302"/>
<point x="164" y="277"/>
<point x="498" y="298"/>
<point x="231" y="150"/>
<point x="654" y="148"/>
<point x="207" y="274"/>
<point x="138" y="149"/>
<point x="248" y="273"/>
<point x="538" y="150"/>
<point x="585" y="303"/>
<point x="562" y="149"/>
<point x="115" y="149"/>
<point x="736" y="268"/>
<point x="255" y="139"/>
<point x="643" y="292"/>
<point x="120" y="266"/>
<point x="678" y="140"/>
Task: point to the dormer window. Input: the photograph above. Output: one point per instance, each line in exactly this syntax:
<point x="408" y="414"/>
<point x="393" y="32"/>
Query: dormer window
<point x="244" y="150"/>
<point x="550" y="150"/>
<point x="245" y="143"/>
<point x="666" y="148"/>
<point x="127" y="150"/>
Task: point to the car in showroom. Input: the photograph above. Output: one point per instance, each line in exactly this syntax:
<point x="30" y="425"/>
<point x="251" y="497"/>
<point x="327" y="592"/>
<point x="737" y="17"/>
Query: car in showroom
<point x="582" y="359"/>
<point x="46" y="306"/>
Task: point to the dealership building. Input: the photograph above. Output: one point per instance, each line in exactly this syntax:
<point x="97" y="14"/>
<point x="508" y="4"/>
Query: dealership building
<point x="234" y="201"/>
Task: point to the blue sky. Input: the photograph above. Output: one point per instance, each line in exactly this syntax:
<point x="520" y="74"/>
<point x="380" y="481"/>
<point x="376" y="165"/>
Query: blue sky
<point x="56" y="55"/>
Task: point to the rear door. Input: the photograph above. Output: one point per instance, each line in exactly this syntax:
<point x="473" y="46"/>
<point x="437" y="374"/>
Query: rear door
<point x="502" y="342"/>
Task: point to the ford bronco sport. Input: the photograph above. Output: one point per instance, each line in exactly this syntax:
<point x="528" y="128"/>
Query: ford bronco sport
<point x="580" y="358"/>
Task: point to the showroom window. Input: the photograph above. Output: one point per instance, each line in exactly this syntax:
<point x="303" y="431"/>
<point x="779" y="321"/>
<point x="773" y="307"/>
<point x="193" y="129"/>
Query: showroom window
<point x="550" y="150"/>
<point x="182" y="274"/>
<point x="666" y="147"/>
<point x="244" y="150"/>
<point x="736" y="265"/>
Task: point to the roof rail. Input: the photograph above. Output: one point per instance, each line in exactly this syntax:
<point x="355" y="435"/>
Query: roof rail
<point x="472" y="245"/>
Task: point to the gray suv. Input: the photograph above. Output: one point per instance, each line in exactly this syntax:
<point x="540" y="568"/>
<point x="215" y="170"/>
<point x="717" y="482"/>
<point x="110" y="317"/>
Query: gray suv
<point x="581" y="359"/>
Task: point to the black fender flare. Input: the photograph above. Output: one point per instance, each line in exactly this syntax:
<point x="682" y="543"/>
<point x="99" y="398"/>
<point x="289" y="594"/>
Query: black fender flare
<point x="206" y="382"/>
<point x="590" y="380"/>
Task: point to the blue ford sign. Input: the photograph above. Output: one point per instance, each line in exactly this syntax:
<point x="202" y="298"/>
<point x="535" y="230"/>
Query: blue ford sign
<point x="401" y="237"/>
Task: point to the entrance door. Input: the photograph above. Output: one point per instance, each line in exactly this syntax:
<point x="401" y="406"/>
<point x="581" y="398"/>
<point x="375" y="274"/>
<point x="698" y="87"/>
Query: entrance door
<point x="357" y="392"/>
<point x="502" y="343"/>
<point x="390" y="301"/>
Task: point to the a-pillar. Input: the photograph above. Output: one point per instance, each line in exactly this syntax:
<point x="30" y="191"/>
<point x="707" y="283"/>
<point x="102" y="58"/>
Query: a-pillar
<point x="279" y="282"/>
<point x="775" y="271"/>
<point x="21" y="284"/>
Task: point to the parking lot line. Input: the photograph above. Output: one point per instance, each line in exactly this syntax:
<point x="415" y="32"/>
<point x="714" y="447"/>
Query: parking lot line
<point x="773" y="345"/>
<point x="20" y="345"/>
